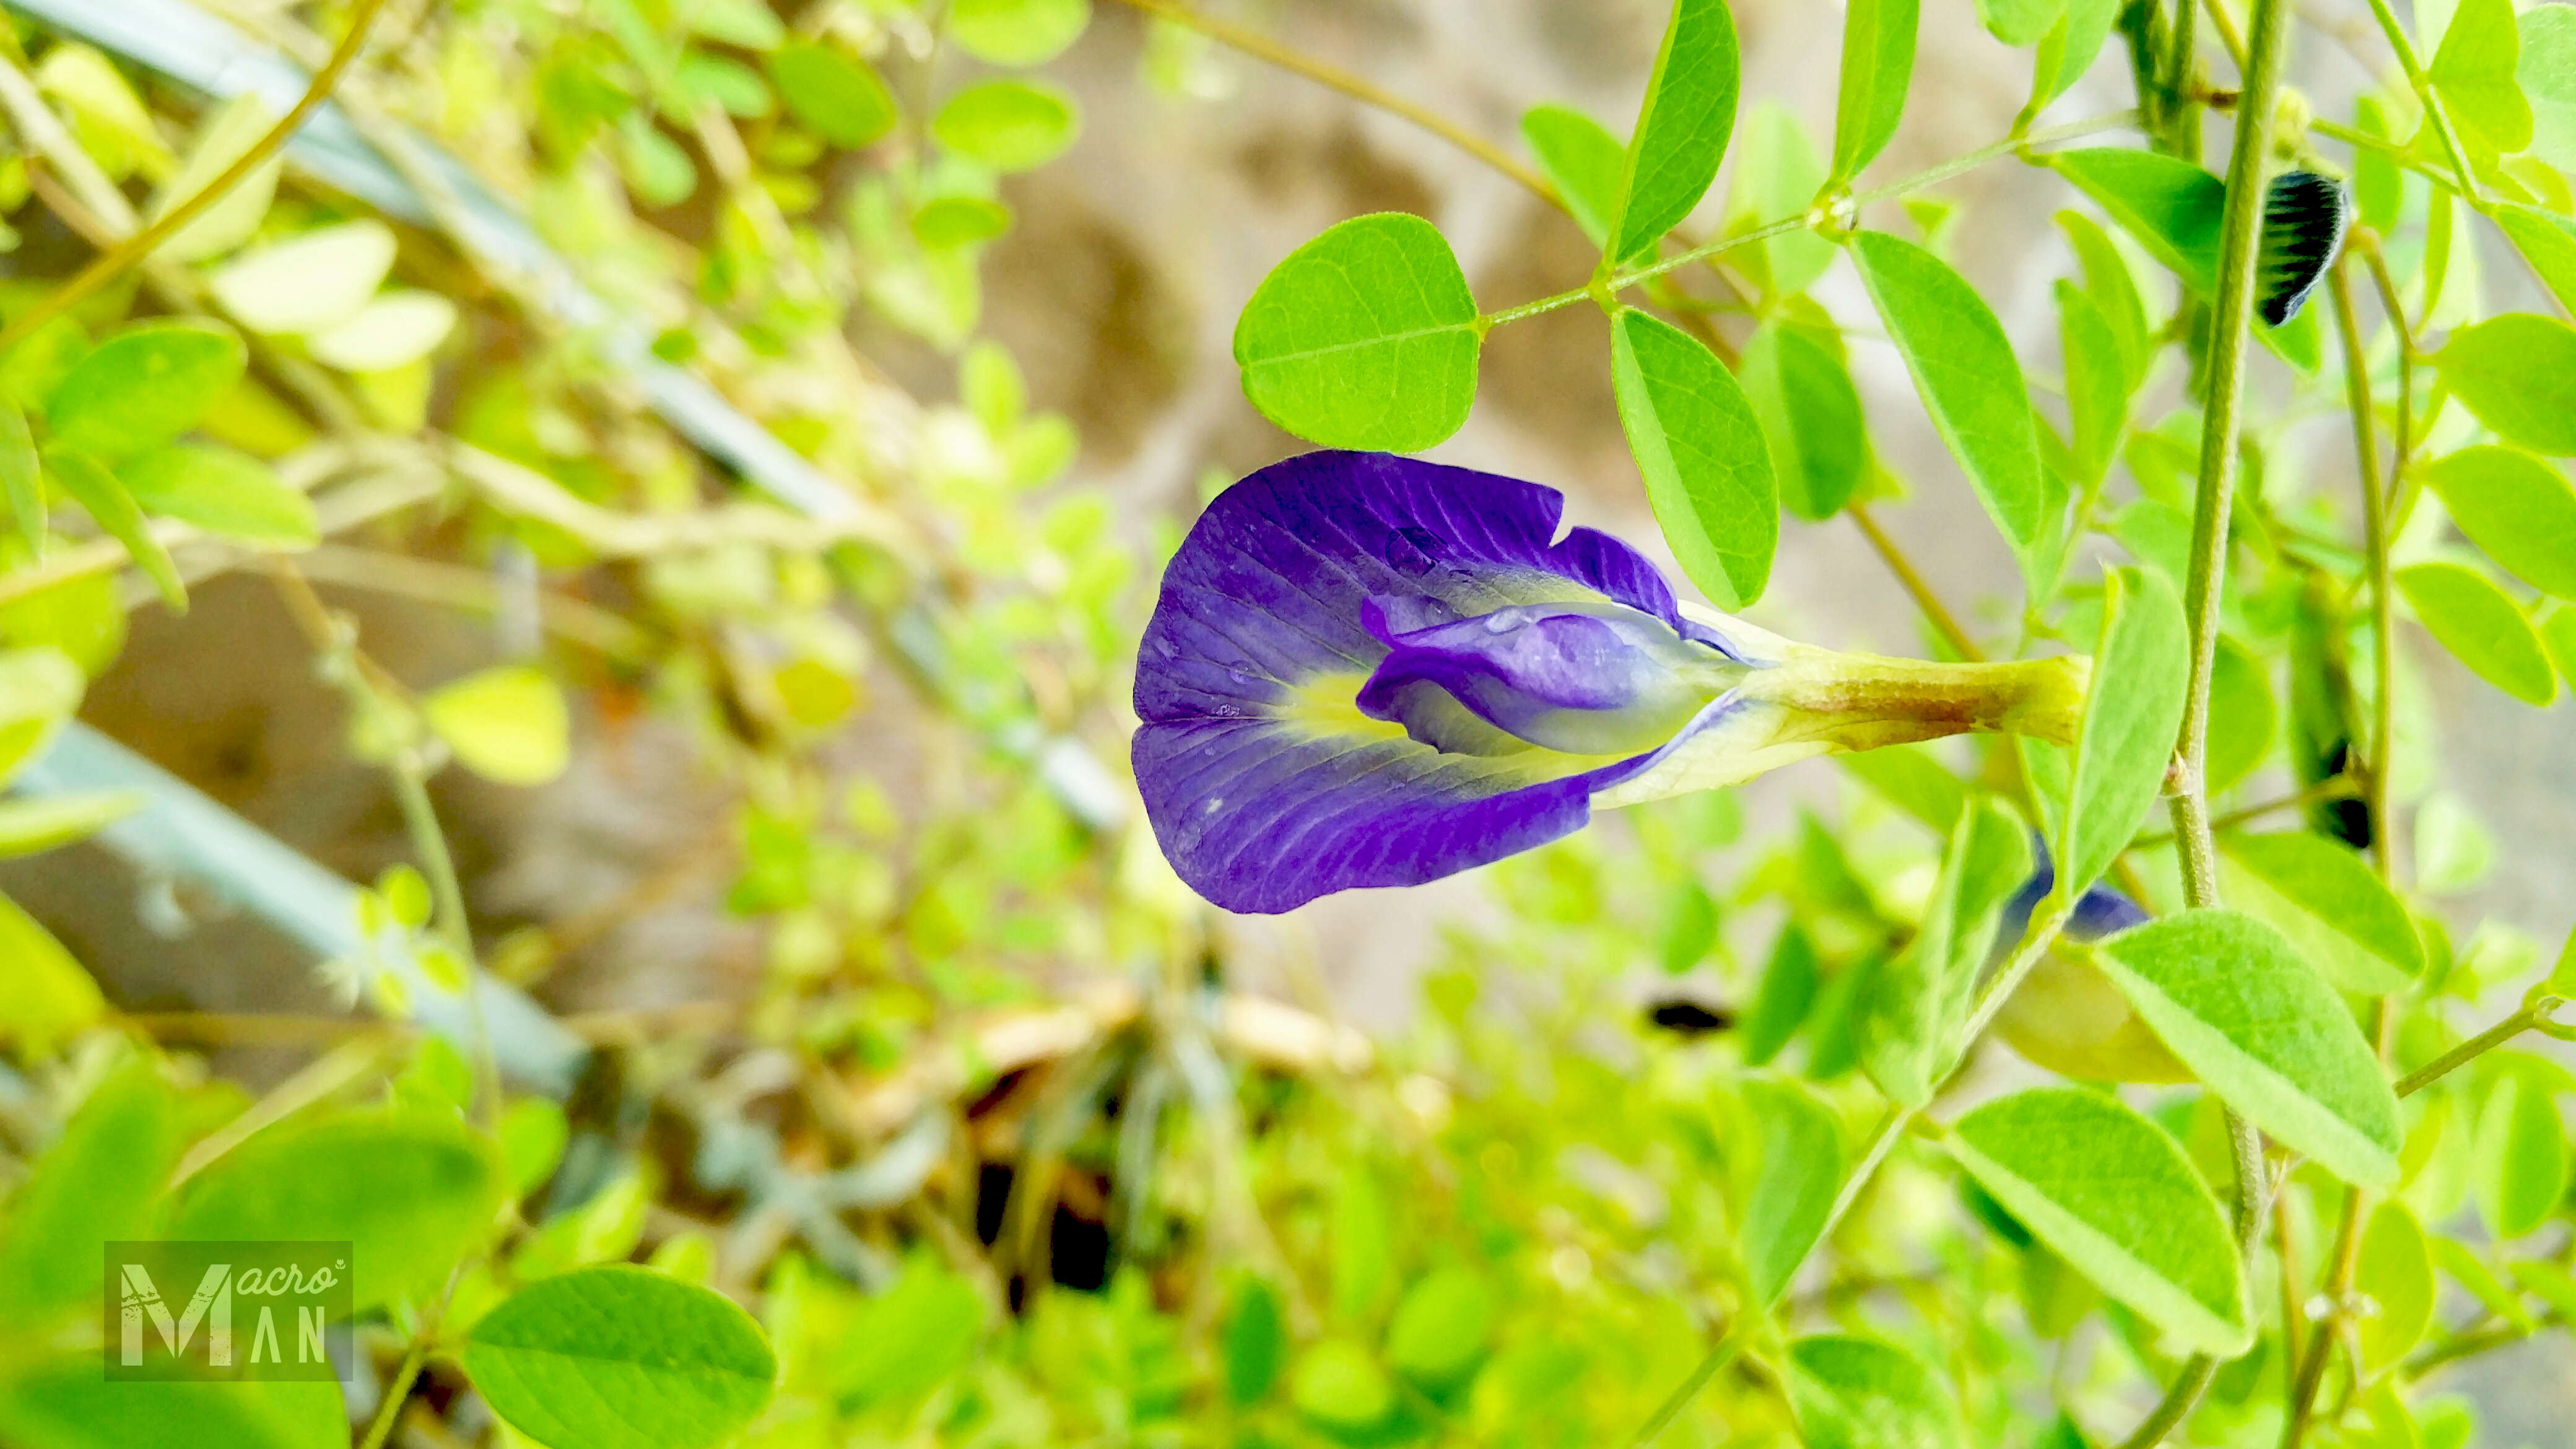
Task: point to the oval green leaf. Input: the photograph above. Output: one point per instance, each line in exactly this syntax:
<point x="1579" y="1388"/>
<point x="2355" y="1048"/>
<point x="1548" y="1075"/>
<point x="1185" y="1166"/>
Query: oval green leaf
<point x="409" y="1191"/>
<point x="2473" y="71"/>
<point x="832" y="93"/>
<point x="1777" y="173"/>
<point x="309" y="281"/>
<point x="1008" y="125"/>
<point x="1701" y="451"/>
<point x="2394" y="1269"/>
<point x="1861" y="1393"/>
<point x="2171" y="206"/>
<point x="1811" y="418"/>
<point x="2482" y="627"/>
<point x="2019" y="22"/>
<point x="22" y="488"/>
<point x="2131" y="715"/>
<point x="2516" y="507"/>
<point x="50" y="998"/>
<point x="223" y="492"/>
<point x="2243" y="716"/>
<point x="2334" y="909"/>
<point x="1908" y="1027"/>
<point x="99" y="1181"/>
<point x="1016" y="32"/>
<point x="1441" y="1327"/>
<point x="1682" y="127"/>
<point x="1787" y="993"/>
<point x="2519" y="1166"/>
<point x="1365" y="337"/>
<point x="508" y="724"/>
<point x="144" y="386"/>
<point x="2261" y="1028"/>
<point x="620" y="1357"/>
<point x="1793" y="1189"/>
<point x="1964" y="368"/>
<point x="49" y="1402"/>
<point x="2097" y="384"/>
<point x="1582" y="160"/>
<point x="1878" y="66"/>
<point x="2517" y="374"/>
<point x="2546" y="241"/>
<point x="88" y="483"/>
<point x="2108" y="1191"/>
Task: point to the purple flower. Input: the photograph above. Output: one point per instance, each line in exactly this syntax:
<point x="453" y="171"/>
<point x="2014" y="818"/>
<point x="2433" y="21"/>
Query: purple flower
<point x="1367" y="670"/>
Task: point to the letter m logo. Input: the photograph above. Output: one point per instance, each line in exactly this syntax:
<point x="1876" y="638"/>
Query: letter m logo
<point x="211" y="1305"/>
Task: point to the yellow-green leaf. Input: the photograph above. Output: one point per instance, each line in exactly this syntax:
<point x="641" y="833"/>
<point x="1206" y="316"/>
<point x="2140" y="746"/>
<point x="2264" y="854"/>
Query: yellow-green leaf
<point x="508" y="724"/>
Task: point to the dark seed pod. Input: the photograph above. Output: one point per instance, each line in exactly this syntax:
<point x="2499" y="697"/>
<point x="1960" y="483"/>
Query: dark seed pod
<point x="2304" y="218"/>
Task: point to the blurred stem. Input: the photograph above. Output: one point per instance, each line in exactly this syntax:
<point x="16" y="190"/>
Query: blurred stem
<point x="125" y="255"/>
<point x="2181" y="121"/>
<point x="1938" y="614"/>
<point x="2434" y="110"/>
<point x="2374" y="542"/>
<point x="2346" y="1257"/>
<point x="2541" y="1012"/>
<point x="2401" y="483"/>
<point x="1723" y="1352"/>
<point x="2228" y="35"/>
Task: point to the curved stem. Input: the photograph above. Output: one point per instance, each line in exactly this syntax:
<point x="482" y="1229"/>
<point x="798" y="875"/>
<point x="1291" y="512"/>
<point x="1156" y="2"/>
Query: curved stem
<point x="2374" y="540"/>
<point x="1263" y="48"/>
<point x="2434" y="110"/>
<point x="1942" y="620"/>
<point x="129" y="253"/>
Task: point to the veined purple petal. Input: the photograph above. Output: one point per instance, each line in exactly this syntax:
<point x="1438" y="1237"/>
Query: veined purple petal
<point x="1266" y="783"/>
<point x="1597" y="679"/>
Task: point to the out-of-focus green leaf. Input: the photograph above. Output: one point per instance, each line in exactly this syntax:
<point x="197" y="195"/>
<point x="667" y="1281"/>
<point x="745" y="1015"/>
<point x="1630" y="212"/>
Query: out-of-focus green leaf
<point x="65" y="1403"/>
<point x="620" y="1357"/>
<point x="2517" y="508"/>
<point x="2481" y="626"/>
<point x="2263" y="1030"/>
<point x="2243" y="717"/>
<point x="1017" y="32"/>
<point x="143" y="386"/>
<point x="48" y="997"/>
<point x="2395" y="1270"/>
<point x="1254" y="1342"/>
<point x="957" y="221"/>
<point x="2453" y="850"/>
<point x="1008" y="125"/>
<point x="2332" y="907"/>
<point x="308" y="282"/>
<point x="1908" y="1027"/>
<point x="1777" y="173"/>
<point x="1363" y="1248"/>
<point x="832" y="93"/>
<point x="2517" y="373"/>
<point x="1811" y="419"/>
<point x="95" y="489"/>
<point x="1700" y="448"/>
<point x="2108" y="1191"/>
<point x="2019" y="22"/>
<point x="2378" y="184"/>
<point x="395" y="329"/>
<point x="1441" y="1328"/>
<point x="2520" y="1170"/>
<point x="1793" y="1189"/>
<point x="2131" y="716"/>
<point x="223" y="492"/>
<point x="223" y="139"/>
<point x="2547" y="73"/>
<point x="508" y="724"/>
<point x="1913" y="781"/>
<point x="1365" y="337"/>
<point x="1339" y="1385"/>
<point x="99" y="1182"/>
<point x="2097" y="383"/>
<point x="2108" y="281"/>
<point x="1682" y="127"/>
<point x="1860" y="1393"/>
<point x="22" y="484"/>
<point x="1964" y="368"/>
<point x="1878" y="66"/>
<point x="1781" y="1003"/>
<point x="1581" y="159"/>
<point x="2473" y="72"/>
<point x="2546" y="241"/>
<point x="45" y="822"/>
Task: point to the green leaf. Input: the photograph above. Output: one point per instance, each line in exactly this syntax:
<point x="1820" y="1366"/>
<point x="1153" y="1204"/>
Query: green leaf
<point x="1860" y="1393"/>
<point x="2378" y="183"/>
<point x="1017" y="32"/>
<point x="2547" y="72"/>
<point x="1682" y="127"/>
<point x="1788" y="990"/>
<point x="22" y="485"/>
<point x="1701" y="451"/>
<point x="2132" y="713"/>
<point x="100" y="1181"/>
<point x="65" y="1403"/>
<point x="95" y="489"/>
<point x="2520" y="1162"/>
<point x="225" y="137"/>
<point x="2108" y="1191"/>
<point x="2465" y="1267"/>
<point x="42" y="823"/>
<point x="620" y="1357"/>
<point x="2517" y="374"/>
<point x="1908" y="1027"/>
<point x="2170" y="205"/>
<point x="2263" y="1030"/>
<point x="1793" y="1191"/>
<point x="2097" y="384"/>
<point x="2019" y="22"/>
<point x="1777" y="173"/>
<point x="1363" y="1247"/>
<point x="1581" y="159"/>
<point x="1008" y="125"/>
<point x="1441" y="1327"/>
<point x="1878" y="66"/>
<point x="1255" y="1341"/>
<point x="2473" y="72"/>
<point x="2547" y="242"/>
<point x="2114" y="289"/>
<point x="958" y="221"/>
<point x="411" y="1191"/>
<point x="1365" y="337"/>
<point x="2394" y="1268"/>
<point x="832" y="93"/>
<point x="307" y="282"/>
<point x="223" y="492"/>
<point x="2517" y="508"/>
<point x="2334" y="909"/>
<point x="143" y="386"/>
<point x="1964" y="368"/>
<point x="2558" y="636"/>
<point x="1811" y="419"/>
<point x="507" y="724"/>
<point x="49" y="999"/>
<point x="1913" y="781"/>
<point x="2069" y="49"/>
<point x="2243" y="717"/>
<point x="39" y="689"/>
<point x="395" y="329"/>
<point x="1337" y="1384"/>
<point x="2481" y="626"/>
